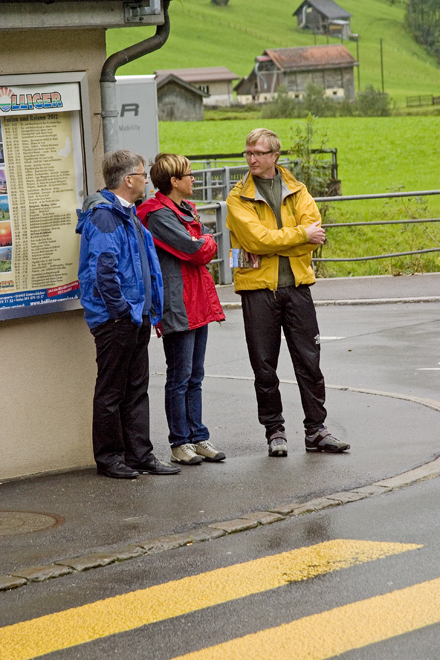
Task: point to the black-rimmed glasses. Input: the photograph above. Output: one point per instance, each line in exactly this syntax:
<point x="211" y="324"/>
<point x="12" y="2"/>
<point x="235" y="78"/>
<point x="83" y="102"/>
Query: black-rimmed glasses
<point x="256" y="154"/>
<point x="144" y="174"/>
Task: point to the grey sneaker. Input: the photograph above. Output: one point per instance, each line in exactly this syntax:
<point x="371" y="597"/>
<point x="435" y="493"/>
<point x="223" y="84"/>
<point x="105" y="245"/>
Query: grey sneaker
<point x="208" y="451"/>
<point x="277" y="444"/>
<point x="323" y="440"/>
<point x="186" y="455"/>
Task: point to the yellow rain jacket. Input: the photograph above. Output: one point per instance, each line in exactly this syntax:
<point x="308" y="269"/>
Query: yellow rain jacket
<point x="253" y="227"/>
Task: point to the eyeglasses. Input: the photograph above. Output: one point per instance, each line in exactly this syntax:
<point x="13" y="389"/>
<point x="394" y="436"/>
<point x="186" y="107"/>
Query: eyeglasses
<point x="256" y="154"/>
<point x="144" y="174"/>
<point x="189" y="174"/>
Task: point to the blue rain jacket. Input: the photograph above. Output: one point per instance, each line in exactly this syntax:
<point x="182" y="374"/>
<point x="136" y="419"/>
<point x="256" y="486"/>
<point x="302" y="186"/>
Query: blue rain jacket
<point x="110" y="273"/>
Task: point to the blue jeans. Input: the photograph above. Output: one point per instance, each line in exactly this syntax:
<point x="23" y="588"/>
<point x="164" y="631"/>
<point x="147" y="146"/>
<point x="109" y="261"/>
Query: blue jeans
<point x="185" y="357"/>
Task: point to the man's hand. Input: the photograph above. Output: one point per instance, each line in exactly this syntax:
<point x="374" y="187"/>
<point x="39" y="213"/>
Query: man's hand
<point x="315" y="233"/>
<point x="252" y="257"/>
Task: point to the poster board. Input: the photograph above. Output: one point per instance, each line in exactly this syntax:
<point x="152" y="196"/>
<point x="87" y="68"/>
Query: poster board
<point x="45" y="173"/>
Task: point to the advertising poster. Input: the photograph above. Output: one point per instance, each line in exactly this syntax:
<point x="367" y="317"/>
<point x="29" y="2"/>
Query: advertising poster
<point x="41" y="186"/>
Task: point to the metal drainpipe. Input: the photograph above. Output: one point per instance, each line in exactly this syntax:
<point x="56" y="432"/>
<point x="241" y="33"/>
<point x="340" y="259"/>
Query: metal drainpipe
<point x="110" y="112"/>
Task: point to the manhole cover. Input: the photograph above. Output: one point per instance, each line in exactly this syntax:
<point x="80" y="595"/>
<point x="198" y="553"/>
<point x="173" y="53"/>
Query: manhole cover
<point x="23" y="522"/>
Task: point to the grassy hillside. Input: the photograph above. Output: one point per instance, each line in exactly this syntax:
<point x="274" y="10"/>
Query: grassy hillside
<point x="203" y="34"/>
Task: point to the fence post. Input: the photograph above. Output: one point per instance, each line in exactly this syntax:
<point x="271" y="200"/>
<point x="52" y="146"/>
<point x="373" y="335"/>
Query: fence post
<point x="208" y="192"/>
<point x="225" y="181"/>
<point x="224" y="269"/>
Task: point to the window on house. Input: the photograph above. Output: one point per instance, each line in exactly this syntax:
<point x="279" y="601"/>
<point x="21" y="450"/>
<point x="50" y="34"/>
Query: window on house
<point x="204" y="88"/>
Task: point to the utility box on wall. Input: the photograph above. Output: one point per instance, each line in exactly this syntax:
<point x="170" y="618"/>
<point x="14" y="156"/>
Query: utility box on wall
<point x="136" y="100"/>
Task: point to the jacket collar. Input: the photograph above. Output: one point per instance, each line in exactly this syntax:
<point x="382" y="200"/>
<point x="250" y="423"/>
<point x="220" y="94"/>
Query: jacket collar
<point x="160" y="200"/>
<point x="289" y="185"/>
<point x="116" y="204"/>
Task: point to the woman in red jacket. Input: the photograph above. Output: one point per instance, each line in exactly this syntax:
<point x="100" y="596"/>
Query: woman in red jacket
<point x="184" y="247"/>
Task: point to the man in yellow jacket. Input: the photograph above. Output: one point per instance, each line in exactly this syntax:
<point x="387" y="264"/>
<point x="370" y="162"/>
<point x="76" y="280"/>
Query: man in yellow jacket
<point x="275" y="225"/>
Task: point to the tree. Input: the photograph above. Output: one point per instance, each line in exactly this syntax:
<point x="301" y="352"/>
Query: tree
<point x="373" y="103"/>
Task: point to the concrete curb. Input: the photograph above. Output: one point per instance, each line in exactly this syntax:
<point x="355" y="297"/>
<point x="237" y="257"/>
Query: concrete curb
<point x="20" y="578"/>
<point x="355" y="301"/>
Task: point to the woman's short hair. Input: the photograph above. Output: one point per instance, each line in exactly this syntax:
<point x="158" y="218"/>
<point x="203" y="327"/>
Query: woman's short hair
<point x="265" y="134"/>
<point x="164" y="167"/>
<point x="117" y="164"/>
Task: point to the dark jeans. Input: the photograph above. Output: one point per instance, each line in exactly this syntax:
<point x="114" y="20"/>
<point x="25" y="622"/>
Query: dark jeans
<point x="185" y="357"/>
<point x="265" y="314"/>
<point x="121" y="414"/>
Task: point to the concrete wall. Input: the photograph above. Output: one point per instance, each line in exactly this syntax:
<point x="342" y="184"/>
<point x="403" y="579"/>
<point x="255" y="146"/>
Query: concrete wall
<point x="47" y="373"/>
<point x="47" y="368"/>
<point x="220" y="93"/>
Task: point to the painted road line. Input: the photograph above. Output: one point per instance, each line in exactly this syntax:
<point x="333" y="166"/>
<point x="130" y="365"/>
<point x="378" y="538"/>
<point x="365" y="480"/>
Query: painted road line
<point x="30" y="639"/>
<point x="336" y="631"/>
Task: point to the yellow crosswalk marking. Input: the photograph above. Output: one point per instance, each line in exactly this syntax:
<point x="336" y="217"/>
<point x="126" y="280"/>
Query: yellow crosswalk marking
<point x="331" y="633"/>
<point x="30" y="639"/>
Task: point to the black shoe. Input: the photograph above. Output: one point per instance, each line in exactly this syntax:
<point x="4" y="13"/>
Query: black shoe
<point x="117" y="470"/>
<point x="153" y="466"/>
<point x="323" y="440"/>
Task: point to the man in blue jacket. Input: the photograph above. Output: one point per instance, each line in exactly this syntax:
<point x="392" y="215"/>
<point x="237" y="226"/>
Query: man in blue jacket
<point x="122" y="295"/>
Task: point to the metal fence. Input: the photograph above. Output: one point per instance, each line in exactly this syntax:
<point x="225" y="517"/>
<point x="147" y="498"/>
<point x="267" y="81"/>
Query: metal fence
<point x="215" y="214"/>
<point x="422" y="193"/>
<point x="216" y="174"/>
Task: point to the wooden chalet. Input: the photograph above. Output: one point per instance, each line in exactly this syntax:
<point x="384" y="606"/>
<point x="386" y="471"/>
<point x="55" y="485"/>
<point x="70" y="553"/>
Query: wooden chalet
<point x="331" y="67"/>
<point x="324" y="17"/>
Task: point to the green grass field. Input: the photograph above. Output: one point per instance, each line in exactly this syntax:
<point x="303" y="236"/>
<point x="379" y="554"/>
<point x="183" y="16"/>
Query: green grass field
<point x="375" y="155"/>
<point x="203" y="34"/>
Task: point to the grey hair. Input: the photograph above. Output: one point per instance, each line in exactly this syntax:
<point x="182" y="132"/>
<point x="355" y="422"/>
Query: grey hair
<point x="117" y="164"/>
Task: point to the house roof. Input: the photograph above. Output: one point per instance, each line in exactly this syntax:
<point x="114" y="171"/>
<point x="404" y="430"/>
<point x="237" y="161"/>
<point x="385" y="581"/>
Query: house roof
<point x="311" y="57"/>
<point x="202" y="74"/>
<point x="328" y="8"/>
<point x="182" y="83"/>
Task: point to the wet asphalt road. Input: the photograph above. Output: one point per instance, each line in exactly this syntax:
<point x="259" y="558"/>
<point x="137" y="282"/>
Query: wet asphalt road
<point x="406" y="516"/>
<point x="387" y="348"/>
<point x="392" y="349"/>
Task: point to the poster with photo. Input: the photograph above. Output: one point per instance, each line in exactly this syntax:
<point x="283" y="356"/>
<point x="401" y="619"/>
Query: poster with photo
<point x="41" y="186"/>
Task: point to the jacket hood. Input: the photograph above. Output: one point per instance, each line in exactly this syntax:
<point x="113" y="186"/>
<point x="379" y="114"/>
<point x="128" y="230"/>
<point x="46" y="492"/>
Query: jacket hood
<point x="100" y="197"/>
<point x="92" y="200"/>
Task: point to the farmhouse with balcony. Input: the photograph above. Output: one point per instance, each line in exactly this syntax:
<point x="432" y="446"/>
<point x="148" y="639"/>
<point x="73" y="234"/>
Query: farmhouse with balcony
<point x="214" y="81"/>
<point x="324" y="17"/>
<point x="331" y="67"/>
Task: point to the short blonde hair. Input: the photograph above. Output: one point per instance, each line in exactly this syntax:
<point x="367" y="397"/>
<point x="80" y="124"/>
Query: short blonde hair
<point x="166" y="166"/>
<point x="265" y="134"/>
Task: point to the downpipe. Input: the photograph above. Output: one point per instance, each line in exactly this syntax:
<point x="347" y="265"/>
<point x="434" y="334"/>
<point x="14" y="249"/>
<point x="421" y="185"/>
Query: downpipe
<point x="109" y="111"/>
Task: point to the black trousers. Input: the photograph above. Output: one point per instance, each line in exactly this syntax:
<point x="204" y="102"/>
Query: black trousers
<point x="265" y="313"/>
<point x="121" y="412"/>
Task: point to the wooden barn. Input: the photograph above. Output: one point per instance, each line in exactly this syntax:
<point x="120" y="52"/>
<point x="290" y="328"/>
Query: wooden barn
<point x="324" y="17"/>
<point x="178" y="100"/>
<point x="331" y="67"/>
